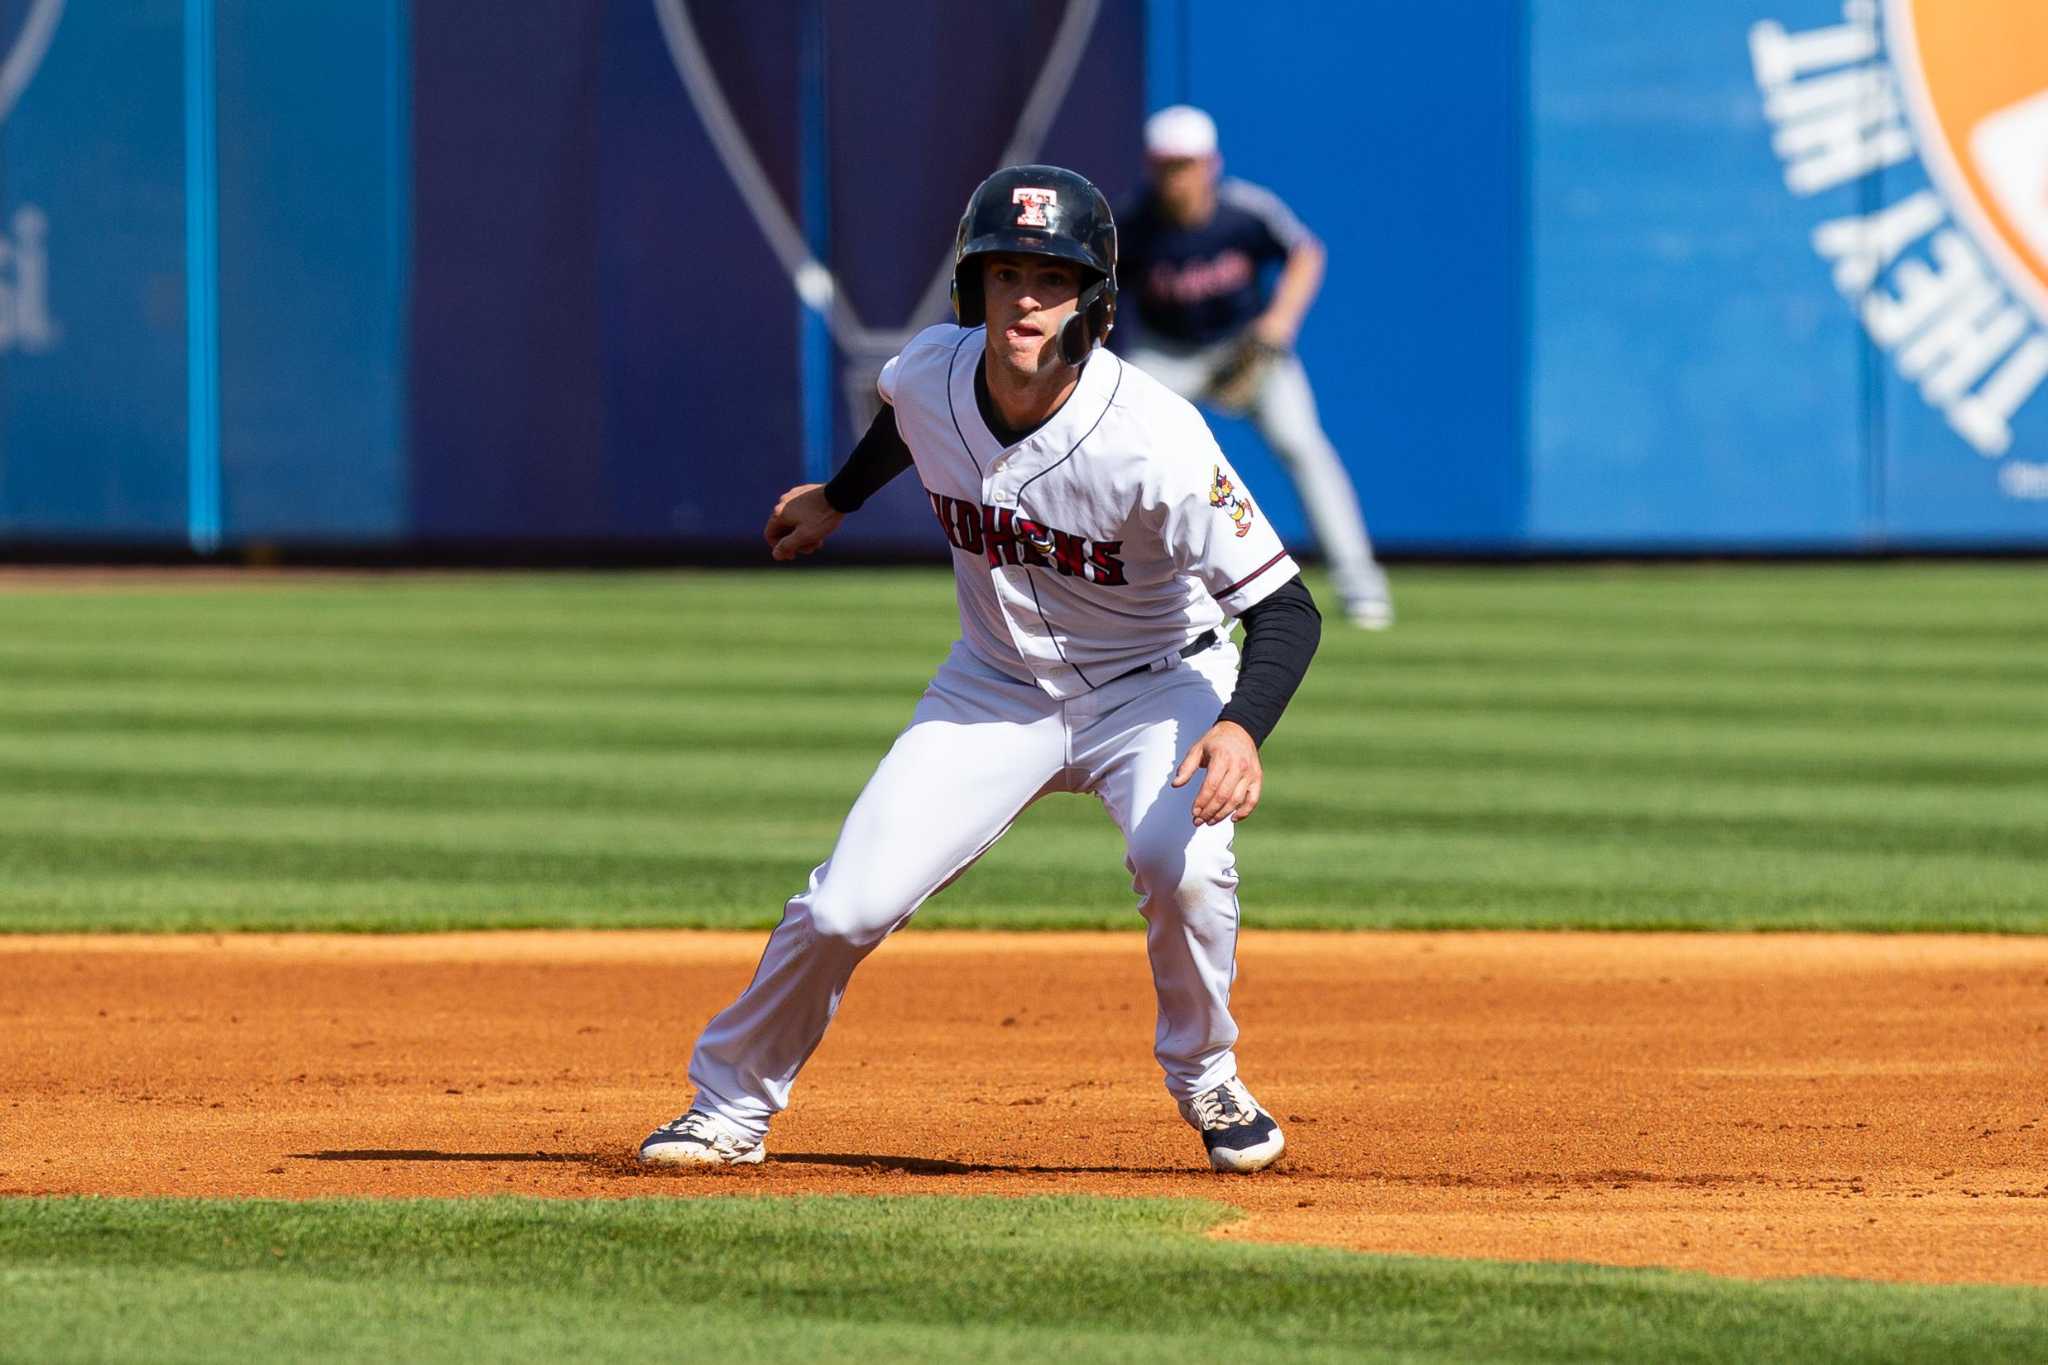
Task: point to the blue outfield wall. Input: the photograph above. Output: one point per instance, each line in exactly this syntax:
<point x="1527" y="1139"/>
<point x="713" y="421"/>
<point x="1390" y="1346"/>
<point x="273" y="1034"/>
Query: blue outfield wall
<point x="1693" y="379"/>
<point x="92" y="288"/>
<point x="1394" y="131"/>
<point x="1739" y="275"/>
<point x="1720" y="196"/>
<point x="313" y="187"/>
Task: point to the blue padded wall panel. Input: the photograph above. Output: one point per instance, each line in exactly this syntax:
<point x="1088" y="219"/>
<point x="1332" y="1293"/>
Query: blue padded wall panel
<point x="315" y="168"/>
<point x="1394" y="131"/>
<point x="1695" y="381"/>
<point x="92" y="332"/>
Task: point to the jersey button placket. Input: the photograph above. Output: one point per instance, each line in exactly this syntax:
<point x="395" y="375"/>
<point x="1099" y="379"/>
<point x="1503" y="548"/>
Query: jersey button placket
<point x="999" y="489"/>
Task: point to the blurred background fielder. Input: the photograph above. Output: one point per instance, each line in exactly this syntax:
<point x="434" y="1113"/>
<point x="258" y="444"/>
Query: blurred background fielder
<point x="1197" y="251"/>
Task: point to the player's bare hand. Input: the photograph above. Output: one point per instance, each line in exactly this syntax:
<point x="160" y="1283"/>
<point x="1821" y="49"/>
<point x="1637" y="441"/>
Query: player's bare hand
<point x="1272" y="332"/>
<point x="800" y="522"/>
<point x="1231" y="790"/>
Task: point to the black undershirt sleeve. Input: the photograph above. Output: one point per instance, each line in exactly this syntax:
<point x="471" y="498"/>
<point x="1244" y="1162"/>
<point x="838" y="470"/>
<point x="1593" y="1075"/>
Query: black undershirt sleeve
<point x="880" y="457"/>
<point x="1280" y="636"/>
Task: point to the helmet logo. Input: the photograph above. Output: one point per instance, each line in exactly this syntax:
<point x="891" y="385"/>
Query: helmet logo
<point x="1032" y="204"/>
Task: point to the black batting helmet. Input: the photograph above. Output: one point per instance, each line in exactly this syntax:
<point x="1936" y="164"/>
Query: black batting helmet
<point x="1041" y="211"/>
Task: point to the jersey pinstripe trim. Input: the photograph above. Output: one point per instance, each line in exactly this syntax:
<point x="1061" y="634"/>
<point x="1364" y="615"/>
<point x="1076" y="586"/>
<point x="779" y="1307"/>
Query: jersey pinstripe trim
<point x="953" y="411"/>
<point x="1267" y="207"/>
<point x="1084" y="435"/>
<point x="1250" y="576"/>
<point x="1052" y="633"/>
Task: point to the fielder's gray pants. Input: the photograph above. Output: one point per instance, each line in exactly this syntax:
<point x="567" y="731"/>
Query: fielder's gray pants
<point x="1284" y="412"/>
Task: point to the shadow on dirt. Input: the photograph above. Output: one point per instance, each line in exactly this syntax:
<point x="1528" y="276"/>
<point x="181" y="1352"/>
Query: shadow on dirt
<point x="424" y="1154"/>
<point x="625" y="1164"/>
<point x="923" y="1165"/>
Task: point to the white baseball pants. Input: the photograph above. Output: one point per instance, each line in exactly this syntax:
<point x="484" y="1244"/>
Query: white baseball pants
<point x="1284" y="412"/>
<point x="979" y="749"/>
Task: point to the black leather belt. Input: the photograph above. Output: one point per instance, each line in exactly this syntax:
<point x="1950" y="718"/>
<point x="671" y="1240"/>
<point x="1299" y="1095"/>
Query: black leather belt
<point x="1206" y="640"/>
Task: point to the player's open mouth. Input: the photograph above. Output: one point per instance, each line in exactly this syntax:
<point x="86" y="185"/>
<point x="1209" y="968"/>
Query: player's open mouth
<point x="1022" y="329"/>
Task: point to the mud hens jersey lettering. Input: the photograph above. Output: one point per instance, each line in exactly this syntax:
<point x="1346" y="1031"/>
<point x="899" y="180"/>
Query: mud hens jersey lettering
<point x="1105" y="540"/>
<point x="1000" y="536"/>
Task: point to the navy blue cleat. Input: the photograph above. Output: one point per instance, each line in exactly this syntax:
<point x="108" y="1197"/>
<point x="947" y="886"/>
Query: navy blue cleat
<point x="1240" y="1135"/>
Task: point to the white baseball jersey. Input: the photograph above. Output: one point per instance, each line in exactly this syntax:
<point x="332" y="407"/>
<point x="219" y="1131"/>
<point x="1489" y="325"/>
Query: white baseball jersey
<point x="1106" y="541"/>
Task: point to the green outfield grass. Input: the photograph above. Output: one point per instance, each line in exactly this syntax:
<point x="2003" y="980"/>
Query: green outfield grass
<point x="1846" y="746"/>
<point x="868" y="1279"/>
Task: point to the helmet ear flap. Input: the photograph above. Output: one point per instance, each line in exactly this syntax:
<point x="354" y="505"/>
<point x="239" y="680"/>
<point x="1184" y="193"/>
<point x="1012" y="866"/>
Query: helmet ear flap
<point x="1074" y="340"/>
<point x="1088" y="325"/>
<point x="968" y="307"/>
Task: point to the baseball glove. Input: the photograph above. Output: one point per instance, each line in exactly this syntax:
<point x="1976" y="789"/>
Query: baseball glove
<point x="1235" y="385"/>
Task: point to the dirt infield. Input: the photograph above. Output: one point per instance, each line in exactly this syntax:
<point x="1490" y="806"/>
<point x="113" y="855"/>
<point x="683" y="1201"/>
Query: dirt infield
<point x="1760" y="1106"/>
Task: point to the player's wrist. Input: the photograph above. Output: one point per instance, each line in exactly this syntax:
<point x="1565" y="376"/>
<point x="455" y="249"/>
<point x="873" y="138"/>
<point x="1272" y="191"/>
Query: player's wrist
<point x="1279" y="333"/>
<point x="1239" y="726"/>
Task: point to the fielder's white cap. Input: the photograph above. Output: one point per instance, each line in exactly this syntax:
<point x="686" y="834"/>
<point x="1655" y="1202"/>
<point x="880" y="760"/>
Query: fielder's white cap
<point x="1180" y="130"/>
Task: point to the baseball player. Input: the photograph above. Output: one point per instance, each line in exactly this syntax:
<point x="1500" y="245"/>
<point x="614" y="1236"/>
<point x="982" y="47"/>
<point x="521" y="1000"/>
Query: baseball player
<point x="1101" y="545"/>
<point x="1195" y="247"/>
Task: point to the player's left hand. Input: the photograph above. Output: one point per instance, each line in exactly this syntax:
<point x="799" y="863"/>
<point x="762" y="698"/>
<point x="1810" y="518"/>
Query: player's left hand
<point x="800" y="522"/>
<point x="1231" y="791"/>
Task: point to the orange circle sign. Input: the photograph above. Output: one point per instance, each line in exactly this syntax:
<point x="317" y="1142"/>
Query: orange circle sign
<point x="1975" y="77"/>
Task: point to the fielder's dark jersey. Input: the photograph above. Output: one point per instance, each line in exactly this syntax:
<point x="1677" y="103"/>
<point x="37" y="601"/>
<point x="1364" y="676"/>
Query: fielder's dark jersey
<point x="1194" y="285"/>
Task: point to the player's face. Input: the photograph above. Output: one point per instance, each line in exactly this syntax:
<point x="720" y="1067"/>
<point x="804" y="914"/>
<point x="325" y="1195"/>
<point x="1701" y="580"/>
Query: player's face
<point x="1027" y="299"/>
<point x="1186" y="185"/>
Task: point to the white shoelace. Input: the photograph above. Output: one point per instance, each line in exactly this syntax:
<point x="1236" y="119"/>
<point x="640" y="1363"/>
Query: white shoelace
<point x="1225" y="1106"/>
<point x="698" y="1126"/>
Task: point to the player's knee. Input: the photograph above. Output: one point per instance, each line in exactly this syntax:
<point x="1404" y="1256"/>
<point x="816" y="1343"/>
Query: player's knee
<point x="1185" y="880"/>
<point x="851" y="919"/>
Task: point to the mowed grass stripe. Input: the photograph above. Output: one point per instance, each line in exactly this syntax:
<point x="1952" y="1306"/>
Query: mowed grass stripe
<point x="1890" y="766"/>
<point x="1623" y="658"/>
<point x="585" y="857"/>
<point x="1897" y="610"/>
<point x="147" y="706"/>
<point x="1906" y="817"/>
<point x="995" y="1279"/>
<point x="1701" y="747"/>
<point x="495" y="817"/>
<point x="826" y="717"/>
<point x="1881" y="662"/>
<point x="1301" y="878"/>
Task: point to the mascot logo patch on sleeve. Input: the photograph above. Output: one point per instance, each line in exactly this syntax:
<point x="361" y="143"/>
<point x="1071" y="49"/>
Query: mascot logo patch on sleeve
<point x="1223" y="495"/>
